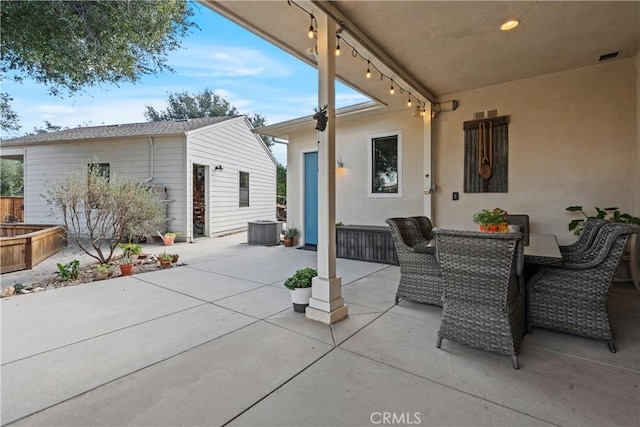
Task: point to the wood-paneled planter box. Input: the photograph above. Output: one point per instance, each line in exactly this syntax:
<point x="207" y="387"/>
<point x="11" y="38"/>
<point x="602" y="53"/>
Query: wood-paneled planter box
<point x="22" y="245"/>
<point x="366" y="243"/>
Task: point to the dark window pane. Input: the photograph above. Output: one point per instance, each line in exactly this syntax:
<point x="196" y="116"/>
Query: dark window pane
<point x="384" y="176"/>
<point x="244" y="190"/>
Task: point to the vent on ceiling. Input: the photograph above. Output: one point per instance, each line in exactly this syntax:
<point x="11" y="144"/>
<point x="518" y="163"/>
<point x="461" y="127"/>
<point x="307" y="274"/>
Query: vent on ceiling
<point x="609" y="56"/>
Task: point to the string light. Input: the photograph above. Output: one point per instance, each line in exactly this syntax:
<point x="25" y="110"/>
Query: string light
<point x="311" y="33"/>
<point x="421" y="105"/>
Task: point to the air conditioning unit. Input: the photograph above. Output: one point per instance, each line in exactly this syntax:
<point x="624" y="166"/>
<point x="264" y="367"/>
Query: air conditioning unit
<point x="264" y="232"/>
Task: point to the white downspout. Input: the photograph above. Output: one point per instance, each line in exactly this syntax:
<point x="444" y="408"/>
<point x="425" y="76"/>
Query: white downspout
<point x="151" y="160"/>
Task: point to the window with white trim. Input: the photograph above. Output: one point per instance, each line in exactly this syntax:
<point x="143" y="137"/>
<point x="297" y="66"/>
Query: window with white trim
<point x="244" y="190"/>
<point x="385" y="165"/>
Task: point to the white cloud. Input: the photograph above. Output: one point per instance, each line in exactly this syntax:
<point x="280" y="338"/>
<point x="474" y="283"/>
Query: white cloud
<point x="53" y="110"/>
<point x="227" y="61"/>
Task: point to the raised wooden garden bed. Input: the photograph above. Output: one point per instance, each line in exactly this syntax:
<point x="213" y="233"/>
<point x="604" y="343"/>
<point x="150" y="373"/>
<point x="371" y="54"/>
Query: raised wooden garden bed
<point x="22" y="245"/>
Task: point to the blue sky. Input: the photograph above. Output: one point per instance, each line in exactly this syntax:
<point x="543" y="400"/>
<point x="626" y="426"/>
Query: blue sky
<point x="252" y="74"/>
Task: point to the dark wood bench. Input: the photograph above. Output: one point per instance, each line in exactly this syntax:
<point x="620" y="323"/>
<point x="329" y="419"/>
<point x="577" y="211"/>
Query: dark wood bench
<point x="371" y="243"/>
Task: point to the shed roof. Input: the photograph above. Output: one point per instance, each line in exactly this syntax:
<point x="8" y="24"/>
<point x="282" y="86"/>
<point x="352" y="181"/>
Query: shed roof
<point x="122" y="130"/>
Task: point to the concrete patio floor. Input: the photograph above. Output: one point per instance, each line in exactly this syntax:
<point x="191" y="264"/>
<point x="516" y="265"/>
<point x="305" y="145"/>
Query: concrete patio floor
<point x="216" y="342"/>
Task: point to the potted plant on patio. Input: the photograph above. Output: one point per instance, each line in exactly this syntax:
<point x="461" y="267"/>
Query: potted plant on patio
<point x="491" y="220"/>
<point x="300" y="286"/>
<point x="289" y="236"/>
<point x="102" y="271"/>
<point x="129" y="250"/>
<point x="169" y="238"/>
<point x="165" y="259"/>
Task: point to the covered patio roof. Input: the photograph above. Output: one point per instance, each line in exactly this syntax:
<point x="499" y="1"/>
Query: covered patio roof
<point x="437" y="48"/>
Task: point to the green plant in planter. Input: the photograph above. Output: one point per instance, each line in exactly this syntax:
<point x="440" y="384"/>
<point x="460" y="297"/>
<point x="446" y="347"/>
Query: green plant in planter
<point x="612" y="214"/>
<point x="301" y="279"/>
<point x="102" y="268"/>
<point x="494" y="216"/>
<point x="68" y="271"/>
<point x="165" y="256"/>
<point x="291" y="233"/>
<point x="128" y="251"/>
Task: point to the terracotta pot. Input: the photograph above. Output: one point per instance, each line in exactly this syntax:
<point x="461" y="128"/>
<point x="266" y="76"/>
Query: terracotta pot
<point x="288" y="241"/>
<point x="168" y="240"/>
<point x="165" y="263"/>
<point x="126" y="269"/>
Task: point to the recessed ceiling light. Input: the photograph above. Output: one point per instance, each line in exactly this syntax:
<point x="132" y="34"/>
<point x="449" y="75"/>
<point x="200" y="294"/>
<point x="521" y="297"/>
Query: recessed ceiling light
<point x="510" y="24"/>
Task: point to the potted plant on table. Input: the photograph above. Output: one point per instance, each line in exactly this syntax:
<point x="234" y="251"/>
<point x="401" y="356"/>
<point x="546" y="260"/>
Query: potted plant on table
<point x="300" y="286"/>
<point x="491" y="220"/>
<point x="289" y="236"/>
<point x="129" y="251"/>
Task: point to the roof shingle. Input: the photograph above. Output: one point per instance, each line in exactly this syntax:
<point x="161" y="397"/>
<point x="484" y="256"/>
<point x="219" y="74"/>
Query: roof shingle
<point x="123" y="130"/>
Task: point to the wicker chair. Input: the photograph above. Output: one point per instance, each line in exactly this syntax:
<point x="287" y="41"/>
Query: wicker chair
<point x="483" y="299"/>
<point x="425" y="227"/>
<point x="586" y="237"/>
<point x="523" y="222"/>
<point x="420" y="274"/>
<point x="573" y="297"/>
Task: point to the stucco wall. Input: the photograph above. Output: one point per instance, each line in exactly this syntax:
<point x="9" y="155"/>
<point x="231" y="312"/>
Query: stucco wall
<point x="572" y="141"/>
<point x="353" y="206"/>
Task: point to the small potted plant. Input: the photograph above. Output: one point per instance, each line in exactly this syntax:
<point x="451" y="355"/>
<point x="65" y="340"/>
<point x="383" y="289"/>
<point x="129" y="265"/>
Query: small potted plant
<point x="300" y="286"/>
<point x="165" y="259"/>
<point x="491" y="220"/>
<point x="289" y="236"/>
<point x="102" y="271"/>
<point x="169" y="238"/>
<point x="129" y="250"/>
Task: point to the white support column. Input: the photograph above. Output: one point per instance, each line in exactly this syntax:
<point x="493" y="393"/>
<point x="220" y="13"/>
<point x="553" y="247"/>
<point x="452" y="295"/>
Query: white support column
<point x="427" y="164"/>
<point x="326" y="304"/>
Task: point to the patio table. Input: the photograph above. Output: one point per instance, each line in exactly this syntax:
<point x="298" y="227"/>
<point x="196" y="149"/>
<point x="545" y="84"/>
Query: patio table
<point x="543" y="249"/>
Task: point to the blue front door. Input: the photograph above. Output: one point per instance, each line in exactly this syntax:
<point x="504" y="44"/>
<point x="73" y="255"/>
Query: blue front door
<point x="311" y="198"/>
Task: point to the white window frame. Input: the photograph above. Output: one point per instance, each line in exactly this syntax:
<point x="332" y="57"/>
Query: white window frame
<point x="248" y="190"/>
<point x="370" y="140"/>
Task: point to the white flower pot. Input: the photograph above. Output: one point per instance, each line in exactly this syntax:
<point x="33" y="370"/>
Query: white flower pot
<point x="300" y="298"/>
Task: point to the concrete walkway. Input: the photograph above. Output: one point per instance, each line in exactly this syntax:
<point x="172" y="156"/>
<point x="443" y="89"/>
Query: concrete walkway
<point x="216" y="342"/>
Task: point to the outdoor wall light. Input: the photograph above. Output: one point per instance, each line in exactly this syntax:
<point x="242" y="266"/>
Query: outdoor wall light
<point x="339" y="161"/>
<point x="219" y="168"/>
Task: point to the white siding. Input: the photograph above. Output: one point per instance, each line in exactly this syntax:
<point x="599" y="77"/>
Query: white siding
<point x="233" y="145"/>
<point x="48" y="162"/>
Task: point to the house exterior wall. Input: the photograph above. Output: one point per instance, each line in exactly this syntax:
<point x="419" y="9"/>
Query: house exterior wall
<point x="353" y="205"/>
<point x="49" y="162"/>
<point x="232" y="145"/>
<point x="572" y="141"/>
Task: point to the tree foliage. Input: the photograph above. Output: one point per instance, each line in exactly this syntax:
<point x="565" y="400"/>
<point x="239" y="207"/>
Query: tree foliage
<point x="75" y="44"/>
<point x="185" y="105"/>
<point x="281" y="180"/>
<point x="98" y="212"/>
<point x="9" y="120"/>
<point x="11" y="178"/>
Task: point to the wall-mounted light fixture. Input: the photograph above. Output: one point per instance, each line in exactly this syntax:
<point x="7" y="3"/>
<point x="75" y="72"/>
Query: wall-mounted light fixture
<point x="441" y="107"/>
<point x="219" y="168"/>
<point x="339" y="161"/>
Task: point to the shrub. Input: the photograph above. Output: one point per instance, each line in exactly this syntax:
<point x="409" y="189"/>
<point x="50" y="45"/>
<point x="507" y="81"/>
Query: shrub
<point x="301" y="279"/>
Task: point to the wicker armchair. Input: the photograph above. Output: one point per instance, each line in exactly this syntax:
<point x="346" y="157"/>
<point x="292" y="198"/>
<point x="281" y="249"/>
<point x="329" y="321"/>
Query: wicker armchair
<point x="483" y="299"/>
<point x="425" y="227"/>
<point x="523" y="222"/>
<point x="586" y="237"/>
<point x="573" y="297"/>
<point x="420" y="274"/>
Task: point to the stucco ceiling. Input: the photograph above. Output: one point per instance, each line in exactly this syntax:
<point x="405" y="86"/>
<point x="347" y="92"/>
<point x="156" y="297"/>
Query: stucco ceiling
<point x="452" y="46"/>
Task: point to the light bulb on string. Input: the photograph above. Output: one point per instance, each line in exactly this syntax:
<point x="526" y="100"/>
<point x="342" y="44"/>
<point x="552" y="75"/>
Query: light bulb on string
<point x="311" y="32"/>
<point x="409" y="101"/>
<point x="338" y="46"/>
<point x="368" y="70"/>
<point x="392" y="90"/>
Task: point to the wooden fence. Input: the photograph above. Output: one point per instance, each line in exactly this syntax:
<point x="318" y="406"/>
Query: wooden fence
<point x="11" y="205"/>
<point x="23" y="246"/>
